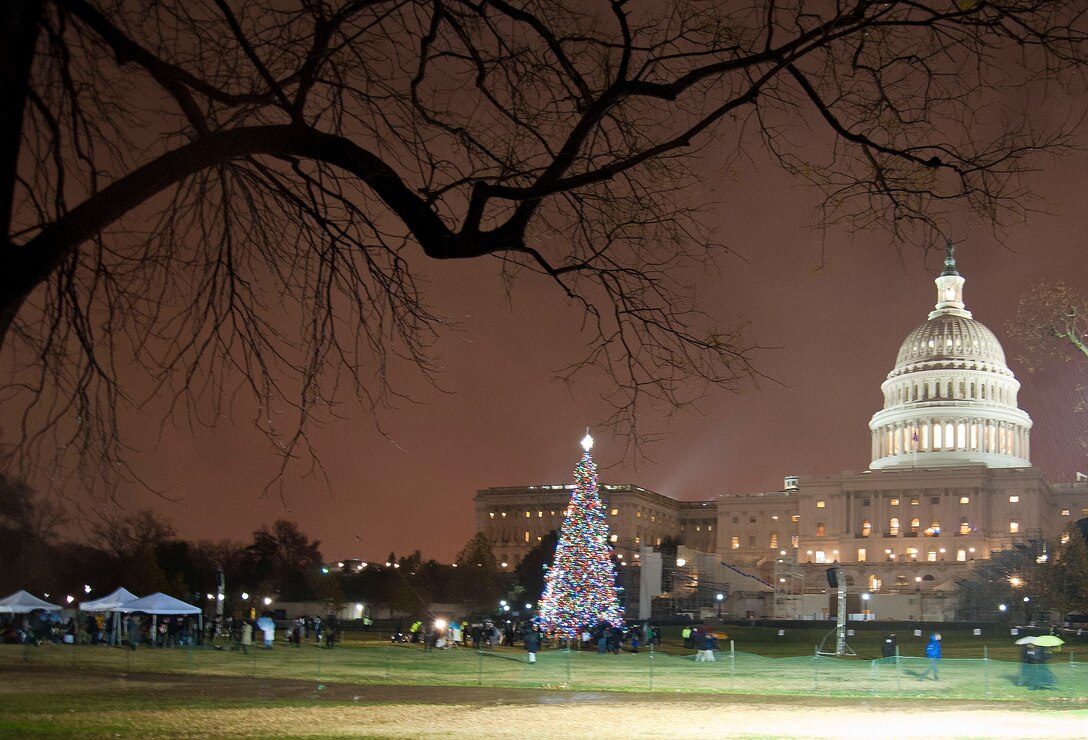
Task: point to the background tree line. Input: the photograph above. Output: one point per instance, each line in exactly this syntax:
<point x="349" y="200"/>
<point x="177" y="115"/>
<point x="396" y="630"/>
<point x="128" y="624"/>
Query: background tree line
<point x="141" y="551"/>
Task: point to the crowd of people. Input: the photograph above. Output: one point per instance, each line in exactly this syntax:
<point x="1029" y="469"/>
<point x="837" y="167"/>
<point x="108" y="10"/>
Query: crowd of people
<point x="238" y="633"/>
<point x="437" y="633"/>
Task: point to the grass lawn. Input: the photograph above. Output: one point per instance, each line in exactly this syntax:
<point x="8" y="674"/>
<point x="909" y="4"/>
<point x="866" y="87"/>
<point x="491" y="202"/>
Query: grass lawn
<point x="971" y="670"/>
<point x="59" y="702"/>
<point x="769" y="686"/>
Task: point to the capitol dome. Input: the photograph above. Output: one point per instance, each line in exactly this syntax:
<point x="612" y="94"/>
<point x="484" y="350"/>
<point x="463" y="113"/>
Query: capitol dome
<point x="951" y="399"/>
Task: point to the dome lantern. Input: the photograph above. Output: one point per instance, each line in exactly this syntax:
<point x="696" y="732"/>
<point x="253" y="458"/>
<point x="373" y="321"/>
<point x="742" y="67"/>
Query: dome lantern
<point x="949" y="288"/>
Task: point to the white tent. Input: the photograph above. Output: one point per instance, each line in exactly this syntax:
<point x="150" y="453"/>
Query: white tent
<point x="160" y="603"/>
<point x="116" y="601"/>
<point x="21" y="602"/>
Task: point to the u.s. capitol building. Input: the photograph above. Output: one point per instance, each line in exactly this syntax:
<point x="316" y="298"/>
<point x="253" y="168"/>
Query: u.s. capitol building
<point x="950" y="483"/>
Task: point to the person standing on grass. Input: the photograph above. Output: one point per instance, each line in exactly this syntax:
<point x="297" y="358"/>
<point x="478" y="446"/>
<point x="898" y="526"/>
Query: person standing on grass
<point x="532" y="643"/>
<point x="708" y="642"/>
<point x="933" y="653"/>
<point x="132" y="627"/>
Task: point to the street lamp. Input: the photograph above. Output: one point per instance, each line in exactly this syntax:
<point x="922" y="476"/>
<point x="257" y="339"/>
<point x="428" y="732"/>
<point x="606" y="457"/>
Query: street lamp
<point x="865" y="604"/>
<point x="719" y="597"/>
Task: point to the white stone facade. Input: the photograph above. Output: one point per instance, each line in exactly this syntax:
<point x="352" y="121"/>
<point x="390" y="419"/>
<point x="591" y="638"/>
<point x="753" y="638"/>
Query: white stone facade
<point x="951" y="399"/>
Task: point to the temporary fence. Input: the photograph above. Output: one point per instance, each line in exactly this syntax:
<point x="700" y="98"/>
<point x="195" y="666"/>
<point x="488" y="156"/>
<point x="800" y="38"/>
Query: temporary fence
<point x="1063" y="677"/>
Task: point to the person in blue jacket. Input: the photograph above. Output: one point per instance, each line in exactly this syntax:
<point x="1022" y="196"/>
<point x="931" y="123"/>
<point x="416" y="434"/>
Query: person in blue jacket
<point x="933" y="653"/>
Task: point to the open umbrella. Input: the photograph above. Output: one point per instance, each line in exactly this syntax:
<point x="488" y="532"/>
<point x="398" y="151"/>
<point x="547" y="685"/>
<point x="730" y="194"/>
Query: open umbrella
<point x="1029" y="640"/>
<point x="1048" y="641"/>
<point x="265" y="623"/>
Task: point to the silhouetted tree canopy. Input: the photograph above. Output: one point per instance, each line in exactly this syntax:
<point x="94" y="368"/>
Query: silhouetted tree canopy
<point x="177" y="176"/>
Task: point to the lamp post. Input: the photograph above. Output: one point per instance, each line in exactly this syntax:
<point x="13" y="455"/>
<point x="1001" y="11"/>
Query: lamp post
<point x="720" y="597"/>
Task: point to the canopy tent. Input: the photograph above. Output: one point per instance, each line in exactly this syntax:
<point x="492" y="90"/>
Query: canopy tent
<point x="117" y="601"/>
<point x="160" y="603"/>
<point x="21" y="602"/>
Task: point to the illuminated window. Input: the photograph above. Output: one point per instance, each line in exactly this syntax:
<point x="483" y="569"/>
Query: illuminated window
<point x="894" y="502"/>
<point x="734" y="542"/>
<point x="961" y="555"/>
<point x="492" y="515"/>
<point x="709" y="528"/>
<point x="1014" y="527"/>
<point x="638" y="540"/>
<point x="821" y="504"/>
<point x="527" y="515"/>
<point x="915" y="525"/>
<point x="861" y="554"/>
<point x="615" y="512"/>
<point x="819" y="529"/>
<point x="698" y="528"/>
<point x="912" y="553"/>
<point x="774" y="540"/>
<point x="914" y="502"/>
<point x="900" y="581"/>
<point x="795" y="518"/>
<point x="540" y="515"/>
<point x="638" y="514"/>
<point x="965" y="499"/>
<point x="657" y="541"/>
<point x="1065" y="512"/>
<point x="538" y="539"/>
<point x="965" y="527"/>
<point x="931" y="556"/>
<point x="934" y="529"/>
<point x="795" y="541"/>
<point x="821" y="557"/>
<point x="613" y="538"/>
<point x="866" y="528"/>
<point x="504" y="515"/>
<point x="874" y="583"/>
<point x="774" y="517"/>
<point x="1014" y="499"/>
<point x="893" y="526"/>
<point x="526" y="535"/>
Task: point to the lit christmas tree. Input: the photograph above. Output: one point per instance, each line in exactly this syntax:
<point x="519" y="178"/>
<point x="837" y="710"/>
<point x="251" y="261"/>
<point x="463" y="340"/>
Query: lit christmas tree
<point x="580" y="586"/>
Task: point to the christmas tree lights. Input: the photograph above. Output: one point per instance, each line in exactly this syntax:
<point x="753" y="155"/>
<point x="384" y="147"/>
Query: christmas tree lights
<point x="580" y="586"/>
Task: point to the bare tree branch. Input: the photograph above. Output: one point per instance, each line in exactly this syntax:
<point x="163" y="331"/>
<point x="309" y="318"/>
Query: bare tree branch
<point x="232" y="196"/>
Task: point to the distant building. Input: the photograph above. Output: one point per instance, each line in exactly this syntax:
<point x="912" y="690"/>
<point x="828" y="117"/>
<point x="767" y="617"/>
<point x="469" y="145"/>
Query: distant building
<point x="950" y="483"/>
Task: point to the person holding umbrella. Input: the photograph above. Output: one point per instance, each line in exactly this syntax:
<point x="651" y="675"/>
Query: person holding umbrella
<point x="1027" y="660"/>
<point x="1041" y="675"/>
<point x="268" y="626"/>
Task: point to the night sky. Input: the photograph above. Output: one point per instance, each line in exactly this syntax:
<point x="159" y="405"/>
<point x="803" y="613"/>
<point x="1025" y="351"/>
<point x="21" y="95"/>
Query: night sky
<point x="831" y="307"/>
